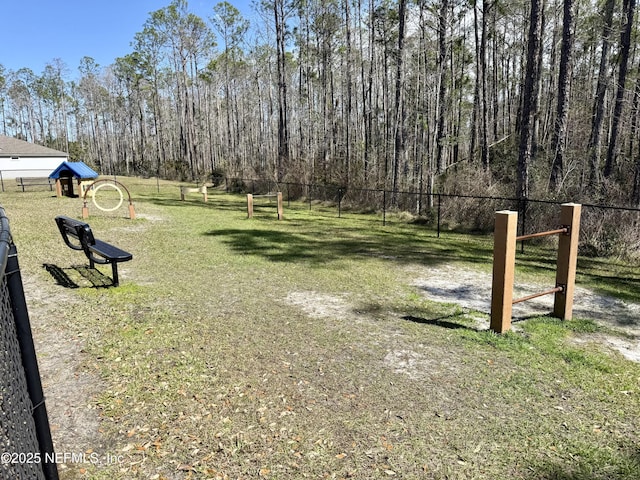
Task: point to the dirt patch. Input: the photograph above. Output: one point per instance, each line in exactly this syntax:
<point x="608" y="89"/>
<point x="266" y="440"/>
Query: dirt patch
<point x="319" y="305"/>
<point x="419" y="365"/>
<point x="471" y="289"/>
<point x="68" y="386"/>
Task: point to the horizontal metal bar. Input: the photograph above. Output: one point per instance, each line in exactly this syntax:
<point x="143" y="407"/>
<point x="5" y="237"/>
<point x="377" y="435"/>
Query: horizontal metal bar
<point x="536" y="295"/>
<point x="559" y="231"/>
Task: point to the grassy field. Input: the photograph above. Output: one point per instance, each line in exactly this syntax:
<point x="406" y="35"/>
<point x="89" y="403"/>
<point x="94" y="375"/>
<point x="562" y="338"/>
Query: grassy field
<point x="239" y="348"/>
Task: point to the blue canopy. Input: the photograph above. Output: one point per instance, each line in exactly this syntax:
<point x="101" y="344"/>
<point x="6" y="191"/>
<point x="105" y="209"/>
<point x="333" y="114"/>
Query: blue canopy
<point x="79" y="170"/>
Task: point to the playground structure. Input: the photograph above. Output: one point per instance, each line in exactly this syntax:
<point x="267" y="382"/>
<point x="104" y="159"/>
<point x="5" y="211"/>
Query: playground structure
<point x="92" y="190"/>
<point x="277" y="195"/>
<point x="504" y="253"/>
<point x="184" y="191"/>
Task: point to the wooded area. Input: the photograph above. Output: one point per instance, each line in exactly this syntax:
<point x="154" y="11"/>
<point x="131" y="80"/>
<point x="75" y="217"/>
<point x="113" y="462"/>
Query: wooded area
<point x="530" y="98"/>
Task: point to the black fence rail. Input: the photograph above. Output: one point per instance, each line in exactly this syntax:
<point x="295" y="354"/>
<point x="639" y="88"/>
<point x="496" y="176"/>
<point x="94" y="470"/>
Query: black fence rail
<point x="26" y="448"/>
<point x="606" y="229"/>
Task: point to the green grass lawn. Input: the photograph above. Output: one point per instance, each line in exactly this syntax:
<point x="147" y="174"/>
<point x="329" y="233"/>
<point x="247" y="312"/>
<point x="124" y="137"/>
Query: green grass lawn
<point x="239" y="348"/>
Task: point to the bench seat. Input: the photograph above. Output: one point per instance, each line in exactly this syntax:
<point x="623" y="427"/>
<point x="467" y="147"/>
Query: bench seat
<point x="78" y="235"/>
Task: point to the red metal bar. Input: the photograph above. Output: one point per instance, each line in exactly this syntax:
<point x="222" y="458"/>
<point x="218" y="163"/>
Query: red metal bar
<point x="536" y="295"/>
<point x="560" y="231"/>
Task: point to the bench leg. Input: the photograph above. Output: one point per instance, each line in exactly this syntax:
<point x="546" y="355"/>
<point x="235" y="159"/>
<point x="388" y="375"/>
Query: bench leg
<point x="114" y="270"/>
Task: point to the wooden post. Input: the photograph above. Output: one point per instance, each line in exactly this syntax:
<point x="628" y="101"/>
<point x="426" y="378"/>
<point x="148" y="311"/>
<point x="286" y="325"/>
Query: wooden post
<point x="567" y="260"/>
<point x="132" y="212"/>
<point x="58" y="188"/>
<point x="504" y="257"/>
<point x="205" y="194"/>
<point x="249" y="205"/>
<point x="85" y="211"/>
<point x="279" y="196"/>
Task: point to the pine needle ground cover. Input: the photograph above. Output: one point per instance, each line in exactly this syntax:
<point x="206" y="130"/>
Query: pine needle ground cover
<point x="242" y="349"/>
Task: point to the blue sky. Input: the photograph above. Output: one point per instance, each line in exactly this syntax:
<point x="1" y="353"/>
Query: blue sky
<point x="34" y="32"/>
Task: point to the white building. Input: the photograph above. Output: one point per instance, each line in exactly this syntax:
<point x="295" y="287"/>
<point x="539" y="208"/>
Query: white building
<point x="23" y="159"/>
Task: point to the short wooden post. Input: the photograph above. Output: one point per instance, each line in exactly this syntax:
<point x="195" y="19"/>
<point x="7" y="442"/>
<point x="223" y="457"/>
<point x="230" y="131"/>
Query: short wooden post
<point x="249" y="205"/>
<point x="504" y="257"/>
<point x="132" y="212"/>
<point x="205" y="194"/>
<point x="279" y="196"/>
<point x="85" y="211"/>
<point x="182" y="194"/>
<point x="58" y="188"/>
<point x="567" y="261"/>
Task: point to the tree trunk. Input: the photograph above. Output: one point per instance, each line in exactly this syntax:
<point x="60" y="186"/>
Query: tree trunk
<point x="527" y="122"/>
<point x="562" y="109"/>
<point x="442" y="87"/>
<point x="399" y="100"/>
<point x="593" y="147"/>
<point x="283" y="126"/>
<point x="625" y="47"/>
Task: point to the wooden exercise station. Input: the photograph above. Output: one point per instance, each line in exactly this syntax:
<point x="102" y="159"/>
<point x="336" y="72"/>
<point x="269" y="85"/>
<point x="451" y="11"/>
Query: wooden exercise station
<point x="278" y="197"/>
<point x="504" y="256"/>
<point x="184" y="191"/>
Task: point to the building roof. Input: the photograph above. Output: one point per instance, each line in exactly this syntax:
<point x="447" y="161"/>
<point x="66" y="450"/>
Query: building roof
<point x="13" y="147"/>
<point x="77" y="169"/>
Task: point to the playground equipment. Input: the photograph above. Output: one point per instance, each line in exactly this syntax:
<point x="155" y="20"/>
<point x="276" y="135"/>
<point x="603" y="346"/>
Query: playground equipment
<point x="92" y="190"/>
<point x="277" y="195"/>
<point x="184" y="191"/>
<point x="504" y="253"/>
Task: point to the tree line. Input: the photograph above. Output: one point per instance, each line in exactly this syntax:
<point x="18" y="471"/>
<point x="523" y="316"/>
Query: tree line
<point x="528" y="97"/>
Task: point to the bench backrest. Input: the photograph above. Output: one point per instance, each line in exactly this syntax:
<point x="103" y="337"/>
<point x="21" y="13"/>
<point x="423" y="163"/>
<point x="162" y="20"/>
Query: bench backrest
<point x="70" y="227"/>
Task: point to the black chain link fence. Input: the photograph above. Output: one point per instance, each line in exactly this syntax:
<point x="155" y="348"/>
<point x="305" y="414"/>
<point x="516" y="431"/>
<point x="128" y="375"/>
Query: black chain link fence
<point x="605" y="230"/>
<point x="26" y="448"/>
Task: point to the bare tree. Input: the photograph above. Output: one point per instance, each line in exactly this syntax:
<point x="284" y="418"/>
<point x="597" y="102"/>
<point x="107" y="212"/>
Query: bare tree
<point x="530" y="93"/>
<point x="625" y="46"/>
<point x="562" y="109"/>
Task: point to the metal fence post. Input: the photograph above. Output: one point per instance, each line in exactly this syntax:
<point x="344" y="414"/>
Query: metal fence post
<point x="384" y="208"/>
<point x="439" y="203"/>
<point x="524" y="204"/>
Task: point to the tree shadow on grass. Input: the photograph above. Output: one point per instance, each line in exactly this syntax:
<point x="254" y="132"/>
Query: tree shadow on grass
<point x="78" y="276"/>
<point x="319" y="246"/>
<point x="626" y="466"/>
<point x="442" y="322"/>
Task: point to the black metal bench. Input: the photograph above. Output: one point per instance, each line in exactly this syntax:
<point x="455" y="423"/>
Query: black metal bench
<point x="34" y="181"/>
<point x="96" y="251"/>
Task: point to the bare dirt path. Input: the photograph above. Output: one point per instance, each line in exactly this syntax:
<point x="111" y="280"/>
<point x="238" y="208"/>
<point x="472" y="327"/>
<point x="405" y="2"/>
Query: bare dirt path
<point x="471" y="289"/>
<point x="69" y="386"/>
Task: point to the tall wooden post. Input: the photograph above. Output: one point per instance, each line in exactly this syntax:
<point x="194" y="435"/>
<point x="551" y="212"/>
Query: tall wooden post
<point x="249" y="205"/>
<point x="279" y="196"/>
<point x="504" y="257"/>
<point x="567" y="261"/>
